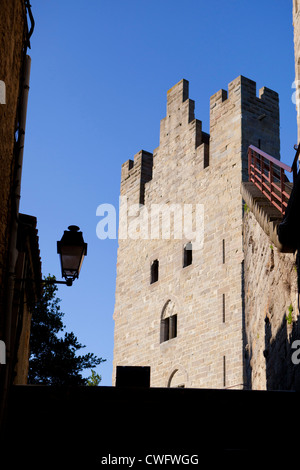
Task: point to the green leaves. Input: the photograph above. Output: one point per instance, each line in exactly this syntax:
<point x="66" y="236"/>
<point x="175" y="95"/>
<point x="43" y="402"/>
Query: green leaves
<point x="53" y="358"/>
<point x="94" y="379"/>
<point x="289" y="317"/>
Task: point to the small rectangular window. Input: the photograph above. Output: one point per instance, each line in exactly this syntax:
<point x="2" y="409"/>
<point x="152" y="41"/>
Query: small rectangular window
<point x="154" y="271"/>
<point x="187" y="254"/>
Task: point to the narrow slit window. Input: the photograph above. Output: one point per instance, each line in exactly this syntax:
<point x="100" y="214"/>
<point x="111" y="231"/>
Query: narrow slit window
<point x="154" y="271"/>
<point x="164" y="330"/>
<point x="224" y="308"/>
<point x="223" y="248"/>
<point x="224" y="371"/>
<point x="187" y="254"/>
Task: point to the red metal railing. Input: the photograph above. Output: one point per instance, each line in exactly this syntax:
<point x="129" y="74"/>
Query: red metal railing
<point x="268" y="174"/>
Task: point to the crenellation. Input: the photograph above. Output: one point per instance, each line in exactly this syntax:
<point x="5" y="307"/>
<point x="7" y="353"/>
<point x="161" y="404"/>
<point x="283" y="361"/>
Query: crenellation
<point x="135" y="174"/>
<point x="126" y="167"/>
<point x="202" y="156"/>
<point x="248" y="86"/>
<point x="266" y="93"/>
<point x="176" y="95"/>
<point x="218" y="98"/>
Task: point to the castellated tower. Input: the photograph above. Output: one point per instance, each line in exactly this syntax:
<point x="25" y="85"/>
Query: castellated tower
<point x="179" y="297"/>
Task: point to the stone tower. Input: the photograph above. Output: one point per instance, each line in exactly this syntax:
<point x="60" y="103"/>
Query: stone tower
<point x="179" y="293"/>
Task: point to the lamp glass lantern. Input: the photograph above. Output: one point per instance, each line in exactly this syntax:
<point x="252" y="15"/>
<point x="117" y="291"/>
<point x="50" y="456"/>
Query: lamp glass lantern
<point x="72" y="250"/>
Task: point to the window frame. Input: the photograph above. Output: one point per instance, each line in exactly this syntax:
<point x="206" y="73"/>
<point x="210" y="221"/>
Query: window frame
<point x="187" y="255"/>
<point x="154" y="271"/>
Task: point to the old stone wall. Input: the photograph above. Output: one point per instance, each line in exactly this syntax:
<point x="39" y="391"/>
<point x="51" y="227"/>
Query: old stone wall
<point x="271" y="311"/>
<point x="296" y="23"/>
<point x="12" y="35"/>
<point x="206" y="297"/>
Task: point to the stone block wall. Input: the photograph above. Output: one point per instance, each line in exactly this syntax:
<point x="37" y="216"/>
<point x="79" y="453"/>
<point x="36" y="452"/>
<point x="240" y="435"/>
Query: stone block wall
<point x="271" y="312"/>
<point x="13" y="27"/>
<point x="296" y="24"/>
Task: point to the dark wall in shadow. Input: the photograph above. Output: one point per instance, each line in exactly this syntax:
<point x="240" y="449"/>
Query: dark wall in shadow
<point x="281" y="355"/>
<point x="270" y="288"/>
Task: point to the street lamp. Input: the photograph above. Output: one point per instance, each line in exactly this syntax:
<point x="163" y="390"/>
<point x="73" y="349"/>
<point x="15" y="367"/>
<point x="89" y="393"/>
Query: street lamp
<point x="72" y="250"/>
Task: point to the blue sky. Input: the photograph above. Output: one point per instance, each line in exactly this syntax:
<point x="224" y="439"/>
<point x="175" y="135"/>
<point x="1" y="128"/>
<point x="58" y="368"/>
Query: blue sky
<point x="100" y="73"/>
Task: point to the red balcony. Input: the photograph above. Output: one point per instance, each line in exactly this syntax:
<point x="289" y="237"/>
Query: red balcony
<point x="268" y="174"/>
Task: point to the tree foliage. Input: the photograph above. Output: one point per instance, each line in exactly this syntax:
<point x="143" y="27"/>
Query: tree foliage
<point x="94" y="379"/>
<point x="53" y="355"/>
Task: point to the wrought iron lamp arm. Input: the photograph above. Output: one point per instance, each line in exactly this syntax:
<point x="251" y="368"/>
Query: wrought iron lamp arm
<point x="68" y="282"/>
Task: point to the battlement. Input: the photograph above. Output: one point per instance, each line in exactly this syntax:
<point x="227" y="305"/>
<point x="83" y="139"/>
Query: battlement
<point x="295" y="7"/>
<point x="180" y="119"/>
<point x="238" y="118"/>
<point x="239" y="115"/>
<point x="267" y="93"/>
<point x="177" y="95"/>
<point x="134" y="174"/>
<point x="180" y="91"/>
<point x="243" y="88"/>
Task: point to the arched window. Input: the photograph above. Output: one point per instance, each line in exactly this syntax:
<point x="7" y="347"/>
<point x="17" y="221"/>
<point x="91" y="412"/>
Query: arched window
<point x="168" y="323"/>
<point x="178" y="378"/>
